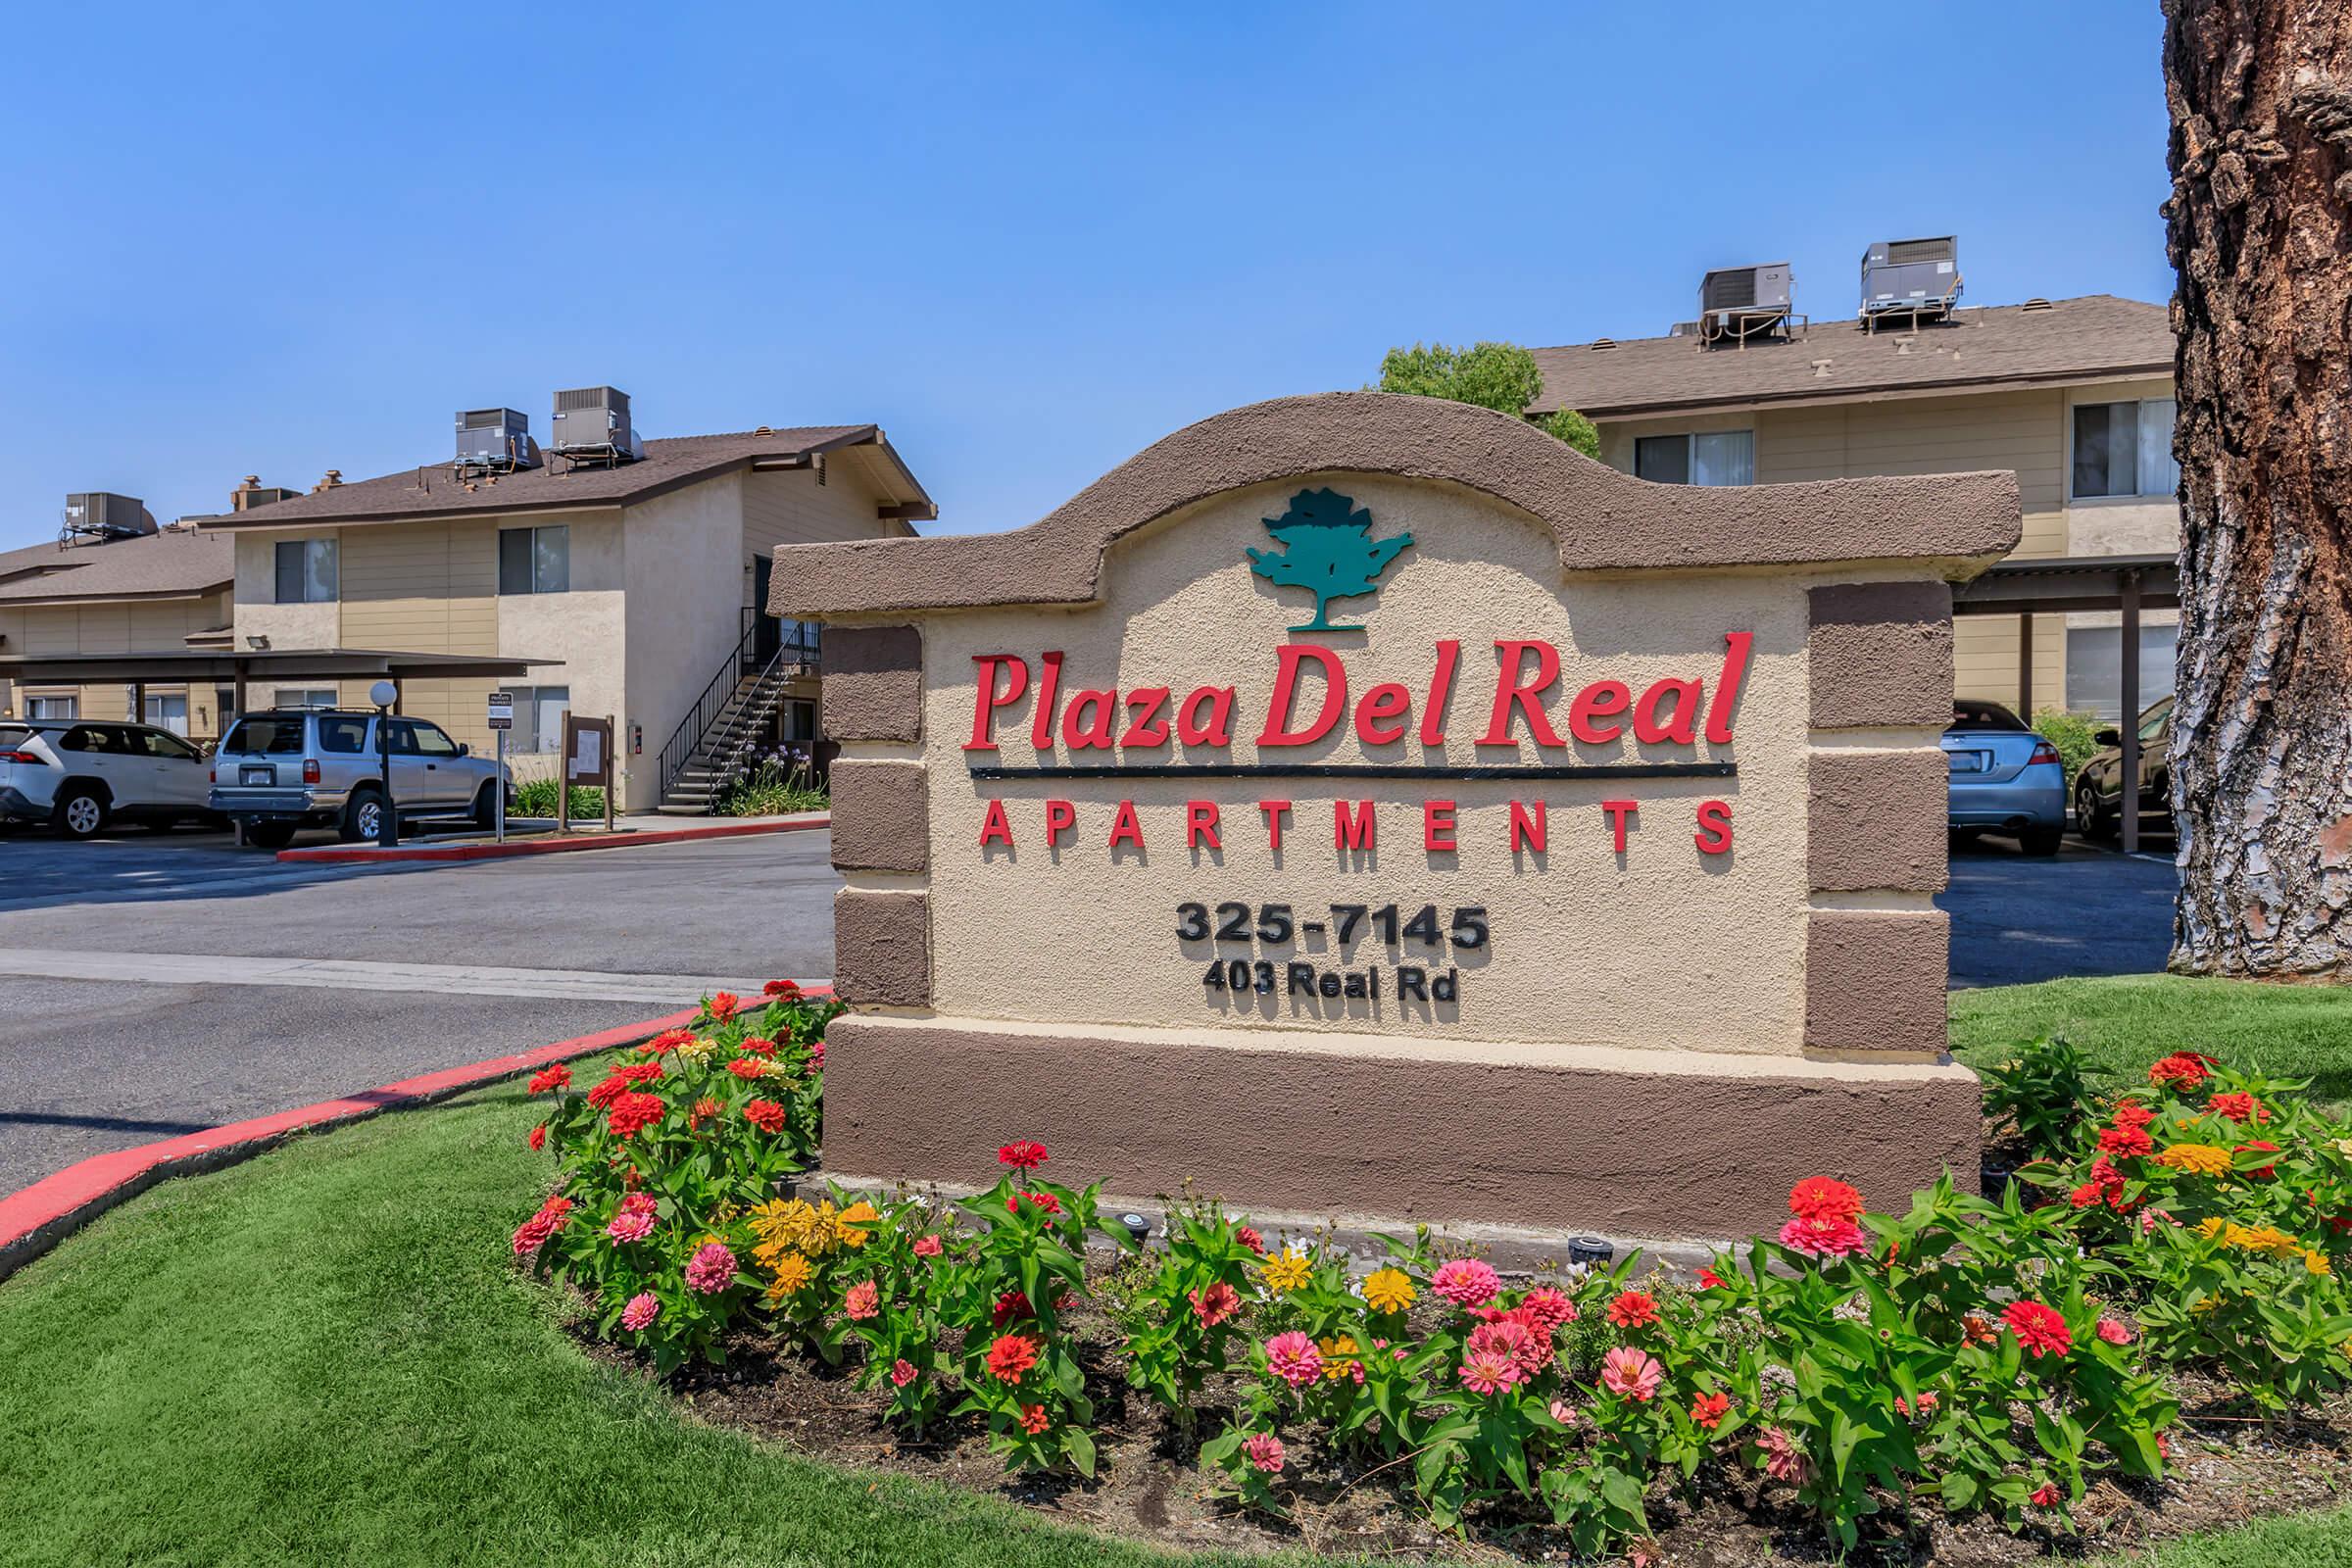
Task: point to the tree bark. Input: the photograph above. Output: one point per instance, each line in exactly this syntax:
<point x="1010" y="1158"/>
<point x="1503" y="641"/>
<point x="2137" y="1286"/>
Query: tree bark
<point x="2260" y="232"/>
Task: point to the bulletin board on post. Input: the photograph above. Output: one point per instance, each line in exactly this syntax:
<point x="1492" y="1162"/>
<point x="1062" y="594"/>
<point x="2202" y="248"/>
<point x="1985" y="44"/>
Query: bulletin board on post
<point x="587" y="761"/>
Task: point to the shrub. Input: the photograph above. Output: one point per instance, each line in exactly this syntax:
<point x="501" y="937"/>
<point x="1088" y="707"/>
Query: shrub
<point x="2073" y="734"/>
<point x="542" y="797"/>
<point x="661" y="1164"/>
<point x="1181" y="1322"/>
<point x="2042" y="1094"/>
<point x="774" y="784"/>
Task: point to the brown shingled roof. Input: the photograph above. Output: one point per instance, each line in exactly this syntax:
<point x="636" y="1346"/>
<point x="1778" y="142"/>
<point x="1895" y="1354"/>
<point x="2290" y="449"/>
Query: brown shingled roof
<point x="2096" y="335"/>
<point x="431" y="490"/>
<point x="164" y="566"/>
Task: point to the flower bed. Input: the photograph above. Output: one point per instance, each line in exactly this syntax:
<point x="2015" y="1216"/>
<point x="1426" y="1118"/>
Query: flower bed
<point x="2006" y="1366"/>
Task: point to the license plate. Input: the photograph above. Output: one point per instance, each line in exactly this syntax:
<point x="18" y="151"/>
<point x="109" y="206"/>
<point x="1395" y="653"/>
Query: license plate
<point x="1968" y="761"/>
<point x="256" y="775"/>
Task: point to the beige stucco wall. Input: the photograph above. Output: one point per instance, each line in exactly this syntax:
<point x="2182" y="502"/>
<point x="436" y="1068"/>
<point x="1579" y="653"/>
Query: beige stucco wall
<point x="684" y="569"/>
<point x="119" y="626"/>
<point x="1663" y="948"/>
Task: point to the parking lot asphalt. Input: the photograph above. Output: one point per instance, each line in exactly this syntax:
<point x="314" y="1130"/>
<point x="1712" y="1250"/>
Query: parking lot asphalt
<point x="419" y="966"/>
<point x="2087" y="911"/>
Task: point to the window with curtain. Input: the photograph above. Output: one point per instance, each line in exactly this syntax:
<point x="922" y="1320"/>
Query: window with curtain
<point x="1709" y="457"/>
<point x="535" y="561"/>
<point x="306" y="572"/>
<point x="2125" y="449"/>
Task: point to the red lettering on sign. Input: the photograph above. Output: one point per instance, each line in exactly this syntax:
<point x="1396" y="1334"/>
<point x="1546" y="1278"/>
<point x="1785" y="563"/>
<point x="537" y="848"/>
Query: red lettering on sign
<point x="1511" y="692"/>
<point x="1599" y="700"/>
<point x="1200" y="822"/>
<point x="1682" y="728"/>
<point x="1436" y="826"/>
<point x="1727" y="686"/>
<point x="1285" y="689"/>
<point x="1041" y="718"/>
<point x="984" y="709"/>
<point x="1352" y="833"/>
<point x="1217" y="728"/>
<point x="1714" y="835"/>
<point x="995" y="829"/>
<point x="1530" y="831"/>
<point x="1124" y="829"/>
<point x="1079" y="731"/>
<point x="1618" y="812"/>
<point x="1060" y="817"/>
<point x="1387" y="699"/>
<point x="1145" y="726"/>
<point x="1272" y="811"/>
<point x="1441" y="689"/>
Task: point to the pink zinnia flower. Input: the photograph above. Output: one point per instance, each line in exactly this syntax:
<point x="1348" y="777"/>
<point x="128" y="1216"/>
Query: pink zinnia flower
<point x="1783" y="1459"/>
<point x="1250" y="1238"/>
<point x="1466" y="1282"/>
<point x="928" y="1247"/>
<point x="1547" y="1308"/>
<point x="630" y="1225"/>
<point x="2113" y="1332"/>
<point x="1294" y="1359"/>
<point x="1490" y="1372"/>
<point x="1216" y="1303"/>
<point x="1633" y="1373"/>
<point x="1510" y="1339"/>
<point x="902" y="1372"/>
<point x="1824" y="1238"/>
<point x="641" y="1310"/>
<point x="864" y="1300"/>
<point x="1563" y="1413"/>
<point x="712" y="1269"/>
<point x="2044" y="1495"/>
<point x="1264" y="1450"/>
<point x="532" y="1234"/>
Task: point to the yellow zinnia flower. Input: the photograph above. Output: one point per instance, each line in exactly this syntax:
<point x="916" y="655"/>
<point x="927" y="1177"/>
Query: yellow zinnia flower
<point x="1288" y="1271"/>
<point x="1338" y="1356"/>
<point x="2315" y="1261"/>
<point x="792" y="1272"/>
<point x="2210" y="1226"/>
<point x="845" y="1224"/>
<point x="2200" y="1159"/>
<point x="698" y="1050"/>
<point x="1388" y="1290"/>
<point x="2259" y="1239"/>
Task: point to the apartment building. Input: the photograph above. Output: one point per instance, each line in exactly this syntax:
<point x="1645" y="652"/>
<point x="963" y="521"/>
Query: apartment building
<point x="632" y="573"/>
<point x="2074" y="395"/>
<point x="114" y="583"/>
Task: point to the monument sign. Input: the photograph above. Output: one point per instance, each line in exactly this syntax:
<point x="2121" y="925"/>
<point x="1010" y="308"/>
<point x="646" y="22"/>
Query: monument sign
<point x="1368" y="805"/>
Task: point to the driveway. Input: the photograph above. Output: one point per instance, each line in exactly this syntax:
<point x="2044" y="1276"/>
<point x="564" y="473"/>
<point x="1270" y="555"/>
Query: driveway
<point x="152" y="985"/>
<point x="2087" y="911"/>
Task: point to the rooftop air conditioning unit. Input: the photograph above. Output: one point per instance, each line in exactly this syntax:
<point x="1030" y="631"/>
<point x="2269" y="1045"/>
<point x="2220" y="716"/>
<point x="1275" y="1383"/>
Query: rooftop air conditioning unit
<point x="100" y="516"/>
<point x="496" y="439"/>
<point x="1742" y="302"/>
<point x="1919" y="278"/>
<point x="592" y="423"/>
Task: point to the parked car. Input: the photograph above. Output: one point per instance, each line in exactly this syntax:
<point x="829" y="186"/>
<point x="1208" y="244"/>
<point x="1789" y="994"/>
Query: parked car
<point x="80" y="775"/>
<point x="286" y="768"/>
<point x="2004" y="777"/>
<point x="2099" y="787"/>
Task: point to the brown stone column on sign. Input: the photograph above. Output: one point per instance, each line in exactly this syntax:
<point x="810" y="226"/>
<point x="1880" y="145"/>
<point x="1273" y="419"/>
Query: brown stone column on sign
<point x="882" y="948"/>
<point x="1877" y="821"/>
<point x="1881" y="656"/>
<point x="881" y="816"/>
<point x="873" y="683"/>
<point x="1875" y="980"/>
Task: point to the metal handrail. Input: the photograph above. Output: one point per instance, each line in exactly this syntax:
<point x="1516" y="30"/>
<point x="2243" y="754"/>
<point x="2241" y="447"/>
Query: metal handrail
<point x="687" y="738"/>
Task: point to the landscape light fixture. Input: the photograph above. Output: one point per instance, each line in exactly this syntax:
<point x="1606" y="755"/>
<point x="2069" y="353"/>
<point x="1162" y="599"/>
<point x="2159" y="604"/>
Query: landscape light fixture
<point x="1137" y="1226"/>
<point x="1589" y="1250"/>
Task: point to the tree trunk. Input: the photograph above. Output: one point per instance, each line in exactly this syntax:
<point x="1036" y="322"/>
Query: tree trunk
<point x="2260" y="232"/>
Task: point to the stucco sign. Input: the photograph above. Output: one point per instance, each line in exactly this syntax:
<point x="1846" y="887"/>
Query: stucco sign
<point x="1361" y="803"/>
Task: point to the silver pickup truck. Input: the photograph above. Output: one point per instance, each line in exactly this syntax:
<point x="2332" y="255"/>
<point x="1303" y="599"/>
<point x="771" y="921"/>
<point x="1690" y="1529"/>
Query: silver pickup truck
<point x="286" y="768"/>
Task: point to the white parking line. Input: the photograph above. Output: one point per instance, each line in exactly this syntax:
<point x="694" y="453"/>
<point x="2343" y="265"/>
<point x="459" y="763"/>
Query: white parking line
<point x="350" y="974"/>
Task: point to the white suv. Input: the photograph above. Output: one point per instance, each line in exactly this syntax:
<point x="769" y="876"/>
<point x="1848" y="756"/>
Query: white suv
<point x="78" y="775"/>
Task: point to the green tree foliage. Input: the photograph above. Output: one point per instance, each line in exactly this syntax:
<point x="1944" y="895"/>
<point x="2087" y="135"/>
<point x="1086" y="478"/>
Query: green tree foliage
<point x="1328" y="548"/>
<point x="1502" y="376"/>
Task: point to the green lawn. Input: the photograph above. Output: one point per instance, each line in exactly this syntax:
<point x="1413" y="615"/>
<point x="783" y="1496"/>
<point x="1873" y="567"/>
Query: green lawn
<point x="2126" y="1021"/>
<point x="2311" y="1541"/>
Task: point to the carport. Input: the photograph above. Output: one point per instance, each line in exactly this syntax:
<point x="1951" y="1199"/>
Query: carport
<point x="228" y="667"/>
<point x="2054" y="587"/>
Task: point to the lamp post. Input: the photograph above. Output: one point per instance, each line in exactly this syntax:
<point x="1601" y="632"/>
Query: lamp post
<point x="383" y="694"/>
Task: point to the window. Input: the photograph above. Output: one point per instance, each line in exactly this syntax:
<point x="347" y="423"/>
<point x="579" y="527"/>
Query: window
<point x="52" y="708"/>
<point x="305" y="697"/>
<point x="534" y="560"/>
<point x="168" y="747"/>
<point x="306" y="572"/>
<point x="341" y="734"/>
<point x="539" y="719"/>
<point x="167" y="713"/>
<point x="2094" y="667"/>
<point x="2125" y="449"/>
<point x="1711" y="457"/>
<point x="95" y="738"/>
<point x="429" y="740"/>
<point x="266" y="735"/>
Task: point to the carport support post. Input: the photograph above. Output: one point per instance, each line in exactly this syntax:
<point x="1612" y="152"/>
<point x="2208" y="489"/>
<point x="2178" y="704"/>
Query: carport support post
<point x="138" y="702"/>
<point x="2024" y="665"/>
<point x="2130" y="648"/>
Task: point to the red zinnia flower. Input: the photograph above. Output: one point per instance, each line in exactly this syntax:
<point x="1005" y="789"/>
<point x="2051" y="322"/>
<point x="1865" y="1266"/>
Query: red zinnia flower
<point x="2132" y="1114"/>
<point x="748" y="1068"/>
<point x="2265" y="1172"/>
<point x="780" y="988"/>
<point x="632" y="1111"/>
<point x="642" y="1072"/>
<point x="724" y="1005"/>
<point x="2044" y="1495"/>
<point x="1632" y="1310"/>
<point x="1027" y="1154"/>
<point x="1821" y="1198"/>
<point x="759" y="1047"/>
<point x="2040" y="1329"/>
<point x="1010" y="1356"/>
<point x="1033" y="1419"/>
<point x="667" y="1041"/>
<point x="1707" y="1411"/>
<point x="1709" y="1280"/>
<point x="2184" y="1069"/>
<point x="765" y="1114"/>
<point x="609" y="1091"/>
<point x="2126" y="1143"/>
<point x="1215" y="1303"/>
<point x="928" y="1247"/>
<point x="558" y="1076"/>
<point x="2239" y="1106"/>
<point x="1010" y="1305"/>
<point x="2106" y="1186"/>
<point x="1045" y="1200"/>
<point x="538" y="1138"/>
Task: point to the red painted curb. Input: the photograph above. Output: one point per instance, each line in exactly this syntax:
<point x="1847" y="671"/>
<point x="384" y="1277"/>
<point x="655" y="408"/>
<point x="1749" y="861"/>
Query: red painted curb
<point x="561" y="845"/>
<point x="35" y="1218"/>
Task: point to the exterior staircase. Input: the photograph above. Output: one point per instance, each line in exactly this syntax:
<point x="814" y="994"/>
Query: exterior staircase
<point x="707" y="751"/>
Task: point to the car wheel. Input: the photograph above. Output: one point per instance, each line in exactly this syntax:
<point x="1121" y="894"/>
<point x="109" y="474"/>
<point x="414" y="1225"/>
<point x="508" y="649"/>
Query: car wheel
<point x="270" y="835"/>
<point x="485" y="808"/>
<point x="2040" y="841"/>
<point x="2087" y="816"/>
<point x="81" y="811"/>
<point x="362" y="818"/>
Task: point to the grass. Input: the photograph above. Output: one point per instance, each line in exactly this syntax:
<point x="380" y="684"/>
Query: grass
<point x="2125" y="1022"/>
<point x="2306" y="1541"/>
<point x="324" y="1356"/>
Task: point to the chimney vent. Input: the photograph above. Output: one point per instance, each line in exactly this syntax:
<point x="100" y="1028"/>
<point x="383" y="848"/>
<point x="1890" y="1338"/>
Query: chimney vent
<point x="252" y="493"/>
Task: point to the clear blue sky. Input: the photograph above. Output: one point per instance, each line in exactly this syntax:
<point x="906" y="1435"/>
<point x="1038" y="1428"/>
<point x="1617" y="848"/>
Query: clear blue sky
<point x="1026" y="240"/>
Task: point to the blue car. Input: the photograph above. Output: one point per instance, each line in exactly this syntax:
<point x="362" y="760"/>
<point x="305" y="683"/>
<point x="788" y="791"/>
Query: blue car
<point x="2005" y="778"/>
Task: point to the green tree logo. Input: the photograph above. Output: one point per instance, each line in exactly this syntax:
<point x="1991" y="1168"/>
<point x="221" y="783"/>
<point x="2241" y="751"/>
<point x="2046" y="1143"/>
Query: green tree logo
<point x="1328" y="549"/>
